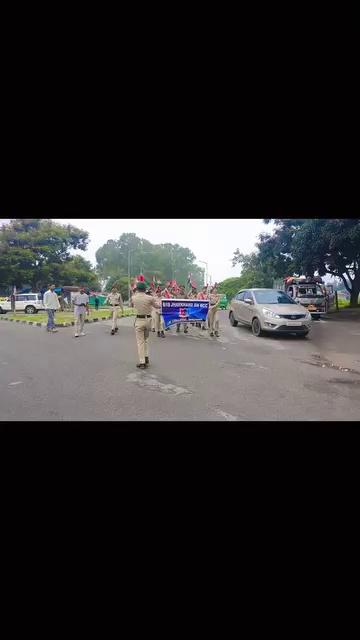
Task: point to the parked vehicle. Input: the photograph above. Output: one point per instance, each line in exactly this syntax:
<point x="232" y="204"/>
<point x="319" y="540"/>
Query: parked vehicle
<point x="269" y="310"/>
<point x="308" y="292"/>
<point x="28" y="302"/>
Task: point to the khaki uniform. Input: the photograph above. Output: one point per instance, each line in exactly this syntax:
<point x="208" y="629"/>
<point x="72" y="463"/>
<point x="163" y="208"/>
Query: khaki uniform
<point x="202" y="296"/>
<point x="116" y="301"/>
<point x="212" y="315"/>
<point x="178" y="324"/>
<point x="159" y="320"/>
<point x="143" y="304"/>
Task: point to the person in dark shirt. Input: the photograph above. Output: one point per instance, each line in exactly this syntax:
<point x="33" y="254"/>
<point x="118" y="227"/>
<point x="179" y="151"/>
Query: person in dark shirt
<point x="96" y="301"/>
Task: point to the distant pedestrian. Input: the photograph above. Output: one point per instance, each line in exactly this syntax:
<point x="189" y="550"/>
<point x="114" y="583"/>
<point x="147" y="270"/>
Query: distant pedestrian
<point x="96" y="301"/>
<point x="81" y="308"/>
<point x="51" y="304"/>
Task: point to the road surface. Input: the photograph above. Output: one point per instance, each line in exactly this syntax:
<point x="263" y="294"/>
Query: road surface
<point x="237" y="377"/>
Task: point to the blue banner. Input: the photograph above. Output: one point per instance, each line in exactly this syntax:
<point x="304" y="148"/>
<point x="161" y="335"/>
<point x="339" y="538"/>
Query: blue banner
<point x="174" y="311"/>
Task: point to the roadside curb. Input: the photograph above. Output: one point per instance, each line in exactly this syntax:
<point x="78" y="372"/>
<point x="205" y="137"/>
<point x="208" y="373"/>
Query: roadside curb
<point x="61" y="324"/>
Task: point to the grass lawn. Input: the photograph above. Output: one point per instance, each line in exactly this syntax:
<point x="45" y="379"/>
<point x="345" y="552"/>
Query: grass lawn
<point x="66" y="316"/>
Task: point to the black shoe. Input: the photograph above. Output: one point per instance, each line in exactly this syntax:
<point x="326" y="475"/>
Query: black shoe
<point x="153" y="330"/>
<point x="112" y="332"/>
<point x="147" y="361"/>
<point x="185" y="331"/>
<point x="203" y="328"/>
<point x="116" y="329"/>
<point x="158" y="334"/>
<point x="217" y="334"/>
<point x="141" y="366"/>
<point x="211" y="334"/>
<point x="177" y="329"/>
<point x="162" y="335"/>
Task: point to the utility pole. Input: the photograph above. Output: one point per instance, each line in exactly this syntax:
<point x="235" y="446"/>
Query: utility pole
<point x="206" y="272"/>
<point x="129" y="287"/>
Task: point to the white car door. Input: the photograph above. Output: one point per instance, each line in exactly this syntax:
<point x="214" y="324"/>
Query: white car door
<point x="19" y="302"/>
<point x="241" y="307"/>
<point x="247" y="307"/>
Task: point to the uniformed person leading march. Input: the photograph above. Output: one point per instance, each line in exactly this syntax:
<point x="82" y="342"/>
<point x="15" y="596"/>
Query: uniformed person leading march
<point x="143" y="305"/>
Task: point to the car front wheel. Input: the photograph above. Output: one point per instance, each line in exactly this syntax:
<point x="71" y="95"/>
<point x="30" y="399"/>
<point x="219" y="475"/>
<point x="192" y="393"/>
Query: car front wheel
<point x="256" y="327"/>
<point x="30" y="309"/>
<point x="233" y="322"/>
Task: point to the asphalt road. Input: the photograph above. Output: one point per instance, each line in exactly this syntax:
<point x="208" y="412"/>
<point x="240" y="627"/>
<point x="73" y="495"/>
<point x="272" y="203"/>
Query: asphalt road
<point x="236" y="377"/>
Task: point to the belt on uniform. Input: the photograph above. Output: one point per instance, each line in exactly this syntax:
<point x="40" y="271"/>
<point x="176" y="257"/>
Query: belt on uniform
<point x="143" y="316"/>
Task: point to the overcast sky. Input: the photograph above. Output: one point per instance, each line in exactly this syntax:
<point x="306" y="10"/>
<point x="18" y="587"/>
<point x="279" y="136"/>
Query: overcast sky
<point x="213" y="241"/>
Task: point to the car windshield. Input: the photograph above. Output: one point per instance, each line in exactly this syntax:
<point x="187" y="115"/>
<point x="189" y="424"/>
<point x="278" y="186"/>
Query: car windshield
<point x="271" y="296"/>
<point x="310" y="292"/>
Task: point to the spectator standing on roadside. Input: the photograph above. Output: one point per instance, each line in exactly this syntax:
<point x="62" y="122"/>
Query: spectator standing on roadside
<point x="51" y="304"/>
<point x="96" y="301"/>
<point x="81" y="308"/>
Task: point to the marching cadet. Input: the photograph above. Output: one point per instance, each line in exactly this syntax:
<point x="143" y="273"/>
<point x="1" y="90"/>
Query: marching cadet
<point x="114" y="298"/>
<point x="143" y="304"/>
<point x="192" y="295"/>
<point x="159" y="320"/>
<point x="214" y="299"/>
<point x="181" y="296"/>
<point x="202" y="295"/>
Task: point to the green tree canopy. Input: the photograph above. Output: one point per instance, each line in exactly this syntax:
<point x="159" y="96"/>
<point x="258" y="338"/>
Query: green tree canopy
<point x="164" y="261"/>
<point x="320" y="246"/>
<point x="37" y="250"/>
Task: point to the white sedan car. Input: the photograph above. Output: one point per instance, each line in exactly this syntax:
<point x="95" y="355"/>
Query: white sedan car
<point x="269" y="310"/>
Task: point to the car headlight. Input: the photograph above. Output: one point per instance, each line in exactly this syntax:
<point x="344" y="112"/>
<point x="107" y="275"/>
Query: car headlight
<point x="270" y="314"/>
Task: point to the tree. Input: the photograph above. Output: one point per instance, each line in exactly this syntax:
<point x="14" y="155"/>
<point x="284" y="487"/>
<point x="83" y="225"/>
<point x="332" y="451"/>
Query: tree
<point x="230" y="287"/>
<point x="322" y="246"/>
<point x="164" y="261"/>
<point x="36" y="251"/>
<point x="77" y="271"/>
<point x="256" y="270"/>
<point x="121" y="284"/>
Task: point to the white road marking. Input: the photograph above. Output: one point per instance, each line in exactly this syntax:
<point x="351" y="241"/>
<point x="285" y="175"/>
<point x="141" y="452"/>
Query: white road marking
<point x="154" y="384"/>
<point x="13" y="383"/>
<point x="227" y="416"/>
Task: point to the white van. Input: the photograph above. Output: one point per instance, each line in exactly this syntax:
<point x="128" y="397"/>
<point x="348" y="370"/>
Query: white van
<point x="28" y="302"/>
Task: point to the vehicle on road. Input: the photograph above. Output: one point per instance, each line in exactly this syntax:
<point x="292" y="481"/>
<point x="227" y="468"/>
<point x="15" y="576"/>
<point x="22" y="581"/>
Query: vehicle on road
<point x="309" y="292"/>
<point x="269" y="310"/>
<point x="28" y="302"/>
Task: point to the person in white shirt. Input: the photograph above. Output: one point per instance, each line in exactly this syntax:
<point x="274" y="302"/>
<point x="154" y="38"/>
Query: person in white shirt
<point x="81" y="308"/>
<point x="51" y="304"/>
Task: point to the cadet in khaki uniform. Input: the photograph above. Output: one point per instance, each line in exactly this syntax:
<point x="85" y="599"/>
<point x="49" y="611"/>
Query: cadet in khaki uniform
<point x="143" y="304"/>
<point x="214" y="298"/>
<point x="159" y="320"/>
<point x="202" y="295"/>
<point x="114" y="298"/>
<point x="181" y="296"/>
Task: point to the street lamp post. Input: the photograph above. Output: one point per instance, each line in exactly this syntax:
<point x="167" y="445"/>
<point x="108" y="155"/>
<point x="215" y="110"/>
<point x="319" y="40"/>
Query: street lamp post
<point x="129" y="287"/>
<point x="206" y="272"/>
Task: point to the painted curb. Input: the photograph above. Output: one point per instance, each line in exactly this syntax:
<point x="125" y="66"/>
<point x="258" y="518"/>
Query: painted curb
<point x="63" y="324"/>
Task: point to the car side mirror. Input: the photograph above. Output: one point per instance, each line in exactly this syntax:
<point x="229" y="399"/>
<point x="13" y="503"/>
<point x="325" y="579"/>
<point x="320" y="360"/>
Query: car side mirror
<point x="248" y="301"/>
